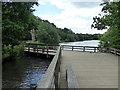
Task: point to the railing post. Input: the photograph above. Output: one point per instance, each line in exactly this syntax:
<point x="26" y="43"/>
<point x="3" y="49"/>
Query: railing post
<point x="34" y="48"/>
<point x="83" y="48"/>
<point x="28" y="48"/>
<point x="62" y="47"/>
<point x="43" y="50"/>
<point x="72" y="48"/>
<point x="37" y="48"/>
<point x="47" y="50"/>
<point x="94" y="49"/>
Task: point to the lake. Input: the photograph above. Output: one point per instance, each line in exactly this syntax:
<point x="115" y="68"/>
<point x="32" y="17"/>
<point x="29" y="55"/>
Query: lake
<point x="82" y="43"/>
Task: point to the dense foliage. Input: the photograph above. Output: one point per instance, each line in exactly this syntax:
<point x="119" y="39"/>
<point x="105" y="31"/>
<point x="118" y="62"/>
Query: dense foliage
<point x="48" y="33"/>
<point x="109" y="19"/>
<point x="16" y="21"/>
<point x="11" y="52"/>
<point x="19" y="24"/>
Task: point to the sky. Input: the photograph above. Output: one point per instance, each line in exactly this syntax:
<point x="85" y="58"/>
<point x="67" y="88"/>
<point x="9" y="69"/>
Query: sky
<point x="76" y="15"/>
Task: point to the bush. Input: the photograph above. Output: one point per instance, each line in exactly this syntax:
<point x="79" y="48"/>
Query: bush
<point x="7" y="51"/>
<point x="11" y="52"/>
<point x="18" y="50"/>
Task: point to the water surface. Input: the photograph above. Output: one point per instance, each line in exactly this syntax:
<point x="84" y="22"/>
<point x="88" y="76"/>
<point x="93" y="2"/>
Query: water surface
<point x="82" y="43"/>
<point x="23" y="73"/>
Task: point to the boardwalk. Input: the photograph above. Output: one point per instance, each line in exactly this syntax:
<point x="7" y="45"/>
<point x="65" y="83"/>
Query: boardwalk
<point x="92" y="70"/>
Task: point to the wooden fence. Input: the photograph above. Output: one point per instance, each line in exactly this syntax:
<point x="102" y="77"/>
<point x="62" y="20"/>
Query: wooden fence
<point x="113" y="50"/>
<point x="51" y="78"/>
<point x="81" y="48"/>
<point x="41" y="48"/>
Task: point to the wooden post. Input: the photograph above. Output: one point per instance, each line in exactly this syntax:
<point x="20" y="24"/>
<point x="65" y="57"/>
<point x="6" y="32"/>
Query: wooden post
<point x="47" y="51"/>
<point x="72" y="48"/>
<point x="28" y="48"/>
<point x="94" y="49"/>
<point x="37" y="48"/>
<point x="43" y="50"/>
<point x="62" y="47"/>
<point x="83" y="48"/>
<point x="34" y="48"/>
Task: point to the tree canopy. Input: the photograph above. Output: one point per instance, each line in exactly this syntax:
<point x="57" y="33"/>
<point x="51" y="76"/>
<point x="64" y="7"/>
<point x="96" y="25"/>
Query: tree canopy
<point x="16" y="21"/>
<point x="109" y="19"/>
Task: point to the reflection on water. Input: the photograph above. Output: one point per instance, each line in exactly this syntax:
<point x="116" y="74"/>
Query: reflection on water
<point x="82" y="43"/>
<point x="23" y="73"/>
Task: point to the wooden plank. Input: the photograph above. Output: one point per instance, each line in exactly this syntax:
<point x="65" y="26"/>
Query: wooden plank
<point x="71" y="78"/>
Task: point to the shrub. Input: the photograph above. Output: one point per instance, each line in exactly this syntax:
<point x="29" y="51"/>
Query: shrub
<point x="18" y="50"/>
<point x="11" y="52"/>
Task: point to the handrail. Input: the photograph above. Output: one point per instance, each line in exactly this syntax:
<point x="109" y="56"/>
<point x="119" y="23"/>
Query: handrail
<point x="113" y="50"/>
<point x="44" y="49"/>
<point x="83" y="48"/>
<point x="80" y="46"/>
<point x="49" y="80"/>
<point x="71" y="78"/>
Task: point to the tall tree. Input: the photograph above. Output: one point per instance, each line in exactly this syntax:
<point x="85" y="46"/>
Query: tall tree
<point x="15" y="20"/>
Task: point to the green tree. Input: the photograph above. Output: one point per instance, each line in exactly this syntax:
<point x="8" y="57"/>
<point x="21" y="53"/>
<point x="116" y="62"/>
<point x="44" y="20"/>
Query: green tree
<point x="15" y="21"/>
<point x="47" y="32"/>
<point x="109" y="19"/>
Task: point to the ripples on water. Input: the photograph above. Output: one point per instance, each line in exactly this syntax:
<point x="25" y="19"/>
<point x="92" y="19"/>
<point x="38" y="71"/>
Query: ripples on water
<point x="23" y="73"/>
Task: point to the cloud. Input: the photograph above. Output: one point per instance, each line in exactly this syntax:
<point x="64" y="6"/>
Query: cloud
<point x="42" y="2"/>
<point x="86" y="4"/>
<point x="75" y="16"/>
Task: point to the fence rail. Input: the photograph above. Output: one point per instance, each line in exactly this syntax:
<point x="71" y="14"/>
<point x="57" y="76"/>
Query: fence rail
<point x="41" y="48"/>
<point x="113" y="50"/>
<point x="51" y="77"/>
<point x="81" y="48"/>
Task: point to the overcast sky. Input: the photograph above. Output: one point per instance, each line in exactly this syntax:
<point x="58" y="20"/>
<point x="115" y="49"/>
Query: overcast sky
<point x="73" y="14"/>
